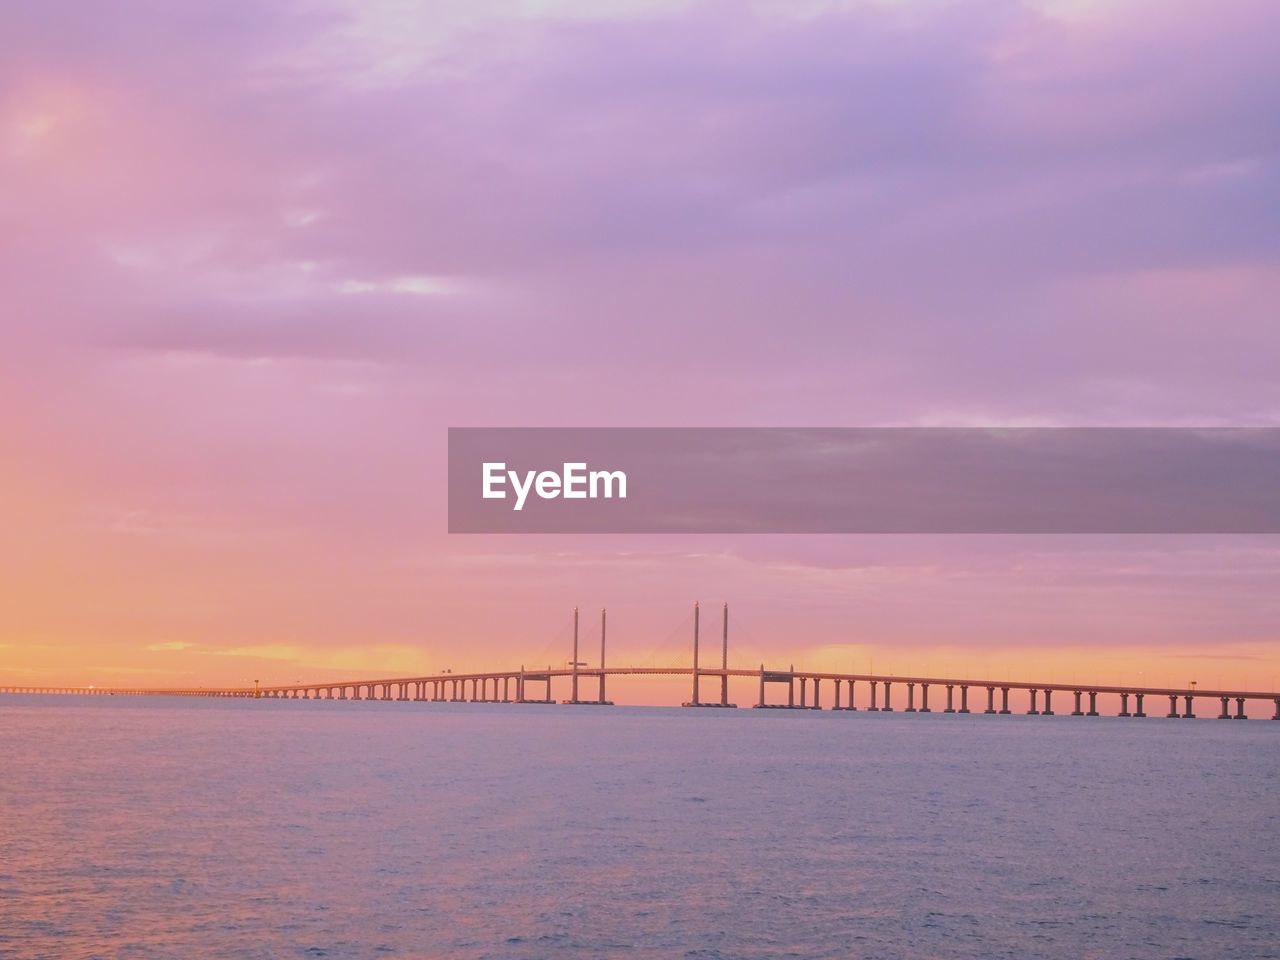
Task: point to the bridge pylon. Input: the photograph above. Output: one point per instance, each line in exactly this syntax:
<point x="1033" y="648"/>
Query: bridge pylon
<point x="724" y="664"/>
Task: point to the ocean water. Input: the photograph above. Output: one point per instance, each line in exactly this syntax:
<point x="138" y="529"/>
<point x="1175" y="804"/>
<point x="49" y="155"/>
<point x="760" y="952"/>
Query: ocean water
<point x="188" y="828"/>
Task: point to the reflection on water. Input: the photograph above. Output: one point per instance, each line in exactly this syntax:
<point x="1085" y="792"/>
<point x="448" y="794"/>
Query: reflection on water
<point x="155" y="828"/>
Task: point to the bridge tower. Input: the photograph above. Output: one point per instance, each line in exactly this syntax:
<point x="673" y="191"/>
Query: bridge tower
<point x="576" y="664"/>
<point x="724" y="662"/>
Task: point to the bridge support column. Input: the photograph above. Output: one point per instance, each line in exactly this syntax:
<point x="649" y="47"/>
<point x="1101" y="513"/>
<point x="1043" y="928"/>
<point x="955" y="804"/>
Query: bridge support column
<point x="852" y="706"/>
<point x="911" y="698"/>
<point x="804" y="686"/>
<point x="1276" y="717"/>
<point x="950" y="691"/>
<point x="1225" y="714"/>
<point x="1240" y="709"/>
<point x="888" y="707"/>
<point x="1093" y="703"/>
<point x="761" y="685"/>
<point x="991" y="700"/>
<point x="791" y="687"/>
<point x="1048" y="706"/>
<point x="817" y="697"/>
<point x="1189" y="714"/>
<point x="964" y="699"/>
<point x="724" y="663"/>
<point x="873" y="708"/>
<point x="1173" y="708"/>
<point x="1033" y="711"/>
<point x="1077" y="712"/>
<point x="694" y="701"/>
<point x="1139" y="712"/>
<point x="836" y="695"/>
<point x="924" y="698"/>
<point x="1004" y="700"/>
<point x="573" y="688"/>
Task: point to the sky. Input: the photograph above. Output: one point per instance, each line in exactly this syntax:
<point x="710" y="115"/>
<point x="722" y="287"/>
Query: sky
<point x="256" y="258"/>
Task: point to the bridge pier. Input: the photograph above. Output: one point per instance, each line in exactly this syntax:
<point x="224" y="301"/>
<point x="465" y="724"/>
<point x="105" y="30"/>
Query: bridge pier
<point x="1173" y="708"/>
<point x="950" y="691"/>
<point x="694" y="701"/>
<point x="1277" y="716"/>
<point x="1124" y="705"/>
<point x="924" y="698"/>
<point x="1033" y="711"/>
<point x="911" y="698"/>
<point x="991" y="700"/>
<point x="1093" y="703"/>
<point x="837" y="697"/>
<point x="1240" y="709"/>
<point x="1048" y="706"/>
<point x="1225" y="714"/>
<point x="888" y="707"/>
<point x="1004" y="700"/>
<point x="1188" y="714"/>
<point x="724" y="663"/>
<point x="873" y="708"/>
<point x="1138" y="712"/>
<point x="1077" y="712"/>
<point x="964" y="698"/>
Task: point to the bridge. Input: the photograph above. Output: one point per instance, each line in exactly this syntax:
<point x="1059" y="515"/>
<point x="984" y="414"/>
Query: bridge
<point x="535" y="686"/>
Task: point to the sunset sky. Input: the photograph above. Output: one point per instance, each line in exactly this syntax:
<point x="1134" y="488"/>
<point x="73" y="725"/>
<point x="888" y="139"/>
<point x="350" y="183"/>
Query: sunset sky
<point x="257" y="258"/>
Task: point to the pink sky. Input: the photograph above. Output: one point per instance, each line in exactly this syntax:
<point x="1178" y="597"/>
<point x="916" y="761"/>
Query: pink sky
<point x="257" y="258"/>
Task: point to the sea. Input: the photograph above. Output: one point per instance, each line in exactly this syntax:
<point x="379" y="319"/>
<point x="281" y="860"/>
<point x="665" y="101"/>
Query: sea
<point x="163" y="827"/>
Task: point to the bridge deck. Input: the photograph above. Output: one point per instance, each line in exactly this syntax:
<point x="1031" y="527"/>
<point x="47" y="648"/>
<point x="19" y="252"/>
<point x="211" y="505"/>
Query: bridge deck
<point x="546" y="676"/>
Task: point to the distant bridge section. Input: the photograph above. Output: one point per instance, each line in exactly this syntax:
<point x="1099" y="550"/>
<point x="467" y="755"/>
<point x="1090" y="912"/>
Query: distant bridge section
<point x="803" y="689"/>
